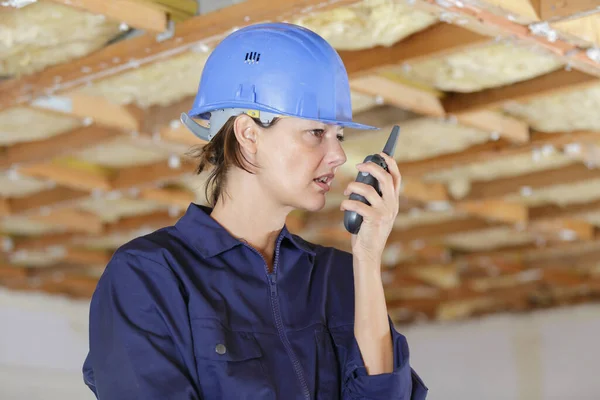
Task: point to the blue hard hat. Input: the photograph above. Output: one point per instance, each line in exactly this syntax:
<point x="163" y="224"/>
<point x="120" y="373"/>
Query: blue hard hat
<point x="272" y="69"/>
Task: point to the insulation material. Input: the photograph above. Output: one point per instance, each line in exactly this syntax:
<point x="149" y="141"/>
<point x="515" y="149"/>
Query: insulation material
<point x="362" y="102"/>
<point x="23" y="124"/>
<point x="121" y="152"/>
<point x="367" y="24"/>
<point x="519" y="10"/>
<point x="20" y="225"/>
<point x="566" y="111"/>
<point x="45" y="34"/>
<point x="500" y="168"/>
<point x="111" y="210"/>
<point x="481" y="67"/>
<point x="14" y="185"/>
<point x="442" y="276"/>
<point x="109" y="242"/>
<point x="581" y="192"/>
<point x="586" y="28"/>
<point x="29" y="258"/>
<point x="158" y="83"/>
<point x="462" y="309"/>
<point x="422" y="217"/>
<point x="419" y="138"/>
<point x="488" y="239"/>
<point x="592" y="217"/>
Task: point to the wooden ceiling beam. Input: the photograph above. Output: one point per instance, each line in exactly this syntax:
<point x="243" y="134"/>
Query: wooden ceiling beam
<point x="502" y="187"/>
<point x="4" y="207"/>
<point x="429" y="103"/>
<point x="67" y="176"/>
<point x="555" y="9"/>
<point x="496" y="150"/>
<point x="500" y="25"/>
<point x="137" y="14"/>
<point x="152" y="174"/>
<point x="436" y="40"/>
<point x="74" y="220"/>
<point x="65" y="143"/>
<point x="145" y="49"/>
<point x="496" y="210"/>
<point x="49" y="198"/>
<point x="544" y="85"/>
<point x="98" y="109"/>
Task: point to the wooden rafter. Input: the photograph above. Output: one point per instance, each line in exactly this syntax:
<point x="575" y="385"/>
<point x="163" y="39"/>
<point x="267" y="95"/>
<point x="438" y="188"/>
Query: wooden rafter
<point x="98" y="109"/>
<point x="65" y="143"/>
<point x="535" y="180"/>
<point x="496" y="150"/>
<point x="436" y="40"/>
<point x="145" y="49"/>
<point x="430" y="104"/>
<point x="137" y="14"/>
<point x="553" y="9"/>
<point x="514" y="30"/>
<point x="551" y="83"/>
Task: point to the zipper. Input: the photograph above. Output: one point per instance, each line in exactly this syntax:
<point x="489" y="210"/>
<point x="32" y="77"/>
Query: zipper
<point x="272" y="278"/>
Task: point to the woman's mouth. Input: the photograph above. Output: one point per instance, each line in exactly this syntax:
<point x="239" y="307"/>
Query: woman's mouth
<point x="324" y="181"/>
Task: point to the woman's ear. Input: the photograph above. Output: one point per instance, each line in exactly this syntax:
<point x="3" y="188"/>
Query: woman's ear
<point x="246" y="132"/>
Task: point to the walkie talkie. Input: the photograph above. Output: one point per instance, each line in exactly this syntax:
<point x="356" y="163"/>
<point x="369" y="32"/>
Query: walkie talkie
<point x="353" y="220"/>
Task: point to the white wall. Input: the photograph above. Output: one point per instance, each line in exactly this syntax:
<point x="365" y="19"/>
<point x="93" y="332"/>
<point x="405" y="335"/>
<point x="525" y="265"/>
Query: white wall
<point x="554" y="354"/>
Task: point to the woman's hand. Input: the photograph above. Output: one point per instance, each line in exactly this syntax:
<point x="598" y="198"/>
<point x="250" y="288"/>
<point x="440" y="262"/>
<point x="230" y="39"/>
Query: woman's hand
<point x="379" y="217"/>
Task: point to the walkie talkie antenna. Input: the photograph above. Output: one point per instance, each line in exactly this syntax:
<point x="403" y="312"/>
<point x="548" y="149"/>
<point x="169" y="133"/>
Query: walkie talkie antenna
<point x="390" y="146"/>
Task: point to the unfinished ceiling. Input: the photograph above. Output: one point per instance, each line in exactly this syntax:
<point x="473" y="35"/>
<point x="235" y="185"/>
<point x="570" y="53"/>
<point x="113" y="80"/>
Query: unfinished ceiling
<point x="497" y="102"/>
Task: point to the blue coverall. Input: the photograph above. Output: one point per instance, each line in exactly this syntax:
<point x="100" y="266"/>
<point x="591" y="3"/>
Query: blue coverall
<point x="190" y="312"/>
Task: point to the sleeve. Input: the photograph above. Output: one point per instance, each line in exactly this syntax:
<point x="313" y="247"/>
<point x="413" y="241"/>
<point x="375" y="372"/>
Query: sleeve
<point x="402" y="383"/>
<point x="140" y="338"/>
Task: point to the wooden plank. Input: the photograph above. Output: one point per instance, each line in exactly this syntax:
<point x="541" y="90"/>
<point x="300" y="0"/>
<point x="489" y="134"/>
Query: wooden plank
<point x="145" y="49"/>
<point x="497" y="210"/>
<point x="511" y="129"/>
<point x="438" y="230"/>
<point x="428" y="103"/>
<point x="75" y="220"/>
<point x="151" y="221"/>
<point x="178" y="197"/>
<point x="97" y="108"/>
<point x="46" y="149"/>
<point x="44" y="241"/>
<point x="564" y="229"/>
<point x="4" y="207"/>
<point x="56" y="197"/>
<point x="422" y="191"/>
<point x="10" y="272"/>
<point x="436" y="40"/>
<point x="67" y="176"/>
<point x="399" y="95"/>
<point x="553" y="9"/>
<point x="86" y="257"/>
<point x="152" y="174"/>
<point x="550" y="83"/>
<point x="137" y="14"/>
<point x="495" y="150"/>
<point x="510" y="185"/>
<point x="496" y="23"/>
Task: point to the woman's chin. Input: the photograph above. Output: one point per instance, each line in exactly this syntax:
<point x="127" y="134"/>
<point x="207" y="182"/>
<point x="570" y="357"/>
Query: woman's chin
<point x="312" y="203"/>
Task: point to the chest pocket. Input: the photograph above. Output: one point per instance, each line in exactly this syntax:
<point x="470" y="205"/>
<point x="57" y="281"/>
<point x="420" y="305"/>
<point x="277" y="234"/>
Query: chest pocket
<point x="230" y="364"/>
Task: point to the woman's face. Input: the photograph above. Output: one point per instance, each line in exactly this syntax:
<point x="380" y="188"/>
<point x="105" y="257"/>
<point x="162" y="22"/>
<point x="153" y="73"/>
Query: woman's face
<point x="298" y="160"/>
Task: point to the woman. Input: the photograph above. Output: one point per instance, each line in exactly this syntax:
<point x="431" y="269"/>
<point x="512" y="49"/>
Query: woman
<point x="227" y="304"/>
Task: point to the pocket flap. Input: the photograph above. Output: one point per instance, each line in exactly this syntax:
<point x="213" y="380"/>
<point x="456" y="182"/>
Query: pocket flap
<point x="220" y="344"/>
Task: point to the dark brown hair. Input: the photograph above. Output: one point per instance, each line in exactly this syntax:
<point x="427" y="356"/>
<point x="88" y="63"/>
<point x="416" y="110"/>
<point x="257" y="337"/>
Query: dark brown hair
<point x="220" y="154"/>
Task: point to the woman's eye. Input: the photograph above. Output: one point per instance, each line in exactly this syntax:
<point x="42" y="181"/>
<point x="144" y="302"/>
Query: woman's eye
<point x="340" y="138"/>
<point x="317" y="132"/>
